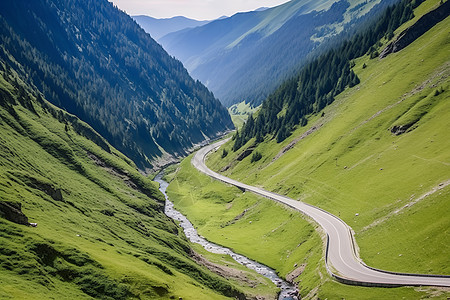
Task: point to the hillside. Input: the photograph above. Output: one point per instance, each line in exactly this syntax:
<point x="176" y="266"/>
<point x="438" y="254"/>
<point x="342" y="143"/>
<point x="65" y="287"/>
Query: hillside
<point x="98" y="230"/>
<point x="158" y="28"/>
<point x="377" y="157"/>
<point x="263" y="47"/>
<point x="94" y="61"/>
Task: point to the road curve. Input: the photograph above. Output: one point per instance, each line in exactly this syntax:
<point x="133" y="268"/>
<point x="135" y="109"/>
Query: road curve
<point x="340" y="255"/>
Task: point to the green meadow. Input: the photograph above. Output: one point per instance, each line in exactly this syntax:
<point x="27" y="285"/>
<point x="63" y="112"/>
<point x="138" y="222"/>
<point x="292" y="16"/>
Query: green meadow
<point x="391" y="187"/>
<point x="239" y="113"/>
<point x="101" y="231"/>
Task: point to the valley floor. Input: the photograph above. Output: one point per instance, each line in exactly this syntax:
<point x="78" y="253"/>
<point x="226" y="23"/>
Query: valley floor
<point x="390" y="187"/>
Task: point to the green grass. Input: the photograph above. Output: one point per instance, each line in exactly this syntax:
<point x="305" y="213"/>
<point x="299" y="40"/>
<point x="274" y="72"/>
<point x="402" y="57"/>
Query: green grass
<point x="107" y="237"/>
<point x="276" y="236"/>
<point x="420" y="109"/>
<point x="422" y="9"/>
<point x="251" y="283"/>
<point x="354" y="164"/>
<point x="239" y="113"/>
<point x="250" y="225"/>
<point x="239" y="120"/>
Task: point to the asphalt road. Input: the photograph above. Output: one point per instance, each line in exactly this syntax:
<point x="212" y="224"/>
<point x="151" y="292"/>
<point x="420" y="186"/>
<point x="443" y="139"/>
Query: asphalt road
<point x="342" y="261"/>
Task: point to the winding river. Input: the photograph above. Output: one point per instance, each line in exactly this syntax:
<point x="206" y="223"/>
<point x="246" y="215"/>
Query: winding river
<point x="287" y="289"/>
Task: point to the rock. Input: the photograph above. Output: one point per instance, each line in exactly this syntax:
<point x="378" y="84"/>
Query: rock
<point x="425" y="23"/>
<point x="56" y="195"/>
<point x="46" y="187"/>
<point x="400" y="129"/>
<point x="246" y="153"/>
<point x="294" y="274"/>
<point x="12" y="211"/>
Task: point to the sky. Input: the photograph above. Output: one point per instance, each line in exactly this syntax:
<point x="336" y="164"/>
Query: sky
<point x="194" y="9"/>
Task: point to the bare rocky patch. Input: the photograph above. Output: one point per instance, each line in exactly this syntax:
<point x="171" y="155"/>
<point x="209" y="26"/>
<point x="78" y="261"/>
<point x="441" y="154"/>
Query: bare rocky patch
<point x="225" y="271"/>
<point x="292" y="144"/>
<point x="439" y="76"/>
<point x="296" y="273"/>
<point x="412" y="202"/>
<point x="123" y="175"/>
<point x="240" y="216"/>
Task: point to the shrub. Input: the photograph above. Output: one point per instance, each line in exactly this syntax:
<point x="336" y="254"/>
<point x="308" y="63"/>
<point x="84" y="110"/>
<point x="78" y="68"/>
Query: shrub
<point x="256" y="156"/>
<point x="224" y="153"/>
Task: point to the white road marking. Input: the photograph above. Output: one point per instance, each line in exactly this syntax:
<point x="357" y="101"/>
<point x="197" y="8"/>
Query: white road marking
<point x="341" y="254"/>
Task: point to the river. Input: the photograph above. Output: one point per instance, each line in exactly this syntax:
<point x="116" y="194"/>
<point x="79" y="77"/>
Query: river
<point x="287" y="289"/>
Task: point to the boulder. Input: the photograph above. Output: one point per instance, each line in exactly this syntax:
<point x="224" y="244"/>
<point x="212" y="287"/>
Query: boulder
<point x="12" y="211"/>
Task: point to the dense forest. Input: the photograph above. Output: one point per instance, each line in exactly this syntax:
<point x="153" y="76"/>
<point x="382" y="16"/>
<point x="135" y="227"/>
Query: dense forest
<point x="321" y="80"/>
<point x="94" y="61"/>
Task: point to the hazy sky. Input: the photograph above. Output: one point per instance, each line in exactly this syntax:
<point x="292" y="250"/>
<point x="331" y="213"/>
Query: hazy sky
<point x="195" y="9"/>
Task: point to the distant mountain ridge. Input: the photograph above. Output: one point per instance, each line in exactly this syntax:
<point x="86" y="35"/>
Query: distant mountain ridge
<point x="158" y="28"/>
<point x="245" y="57"/>
<point x="93" y="60"/>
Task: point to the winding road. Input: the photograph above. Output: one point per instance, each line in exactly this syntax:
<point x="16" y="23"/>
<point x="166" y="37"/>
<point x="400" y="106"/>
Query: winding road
<point x="342" y="261"/>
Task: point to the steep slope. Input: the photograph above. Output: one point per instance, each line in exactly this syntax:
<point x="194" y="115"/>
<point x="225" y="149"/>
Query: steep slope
<point x="99" y="230"/>
<point x="246" y="56"/>
<point x="93" y="60"/>
<point x="353" y="159"/>
<point x="158" y="28"/>
<point x="321" y="79"/>
<point x="391" y="186"/>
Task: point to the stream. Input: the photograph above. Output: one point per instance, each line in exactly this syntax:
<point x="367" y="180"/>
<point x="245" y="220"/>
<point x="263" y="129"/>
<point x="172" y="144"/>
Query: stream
<point x="288" y="291"/>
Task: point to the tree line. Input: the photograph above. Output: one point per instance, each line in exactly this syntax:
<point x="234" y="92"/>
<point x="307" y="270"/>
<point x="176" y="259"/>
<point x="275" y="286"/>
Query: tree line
<point x="320" y="80"/>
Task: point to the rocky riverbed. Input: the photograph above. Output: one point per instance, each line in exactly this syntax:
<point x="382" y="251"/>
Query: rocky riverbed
<point x="288" y="291"/>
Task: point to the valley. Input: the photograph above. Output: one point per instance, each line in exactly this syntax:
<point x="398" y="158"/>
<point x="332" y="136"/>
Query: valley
<point x="341" y="252"/>
<point x="350" y="161"/>
<point x="326" y="170"/>
<point x="98" y="226"/>
<point x="265" y="47"/>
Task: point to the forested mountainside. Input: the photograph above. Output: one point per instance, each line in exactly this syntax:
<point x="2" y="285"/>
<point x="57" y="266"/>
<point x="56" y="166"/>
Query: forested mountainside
<point x="94" y="61"/>
<point x="77" y="220"/>
<point x="158" y="28"/>
<point x="321" y="80"/>
<point x="245" y="57"/>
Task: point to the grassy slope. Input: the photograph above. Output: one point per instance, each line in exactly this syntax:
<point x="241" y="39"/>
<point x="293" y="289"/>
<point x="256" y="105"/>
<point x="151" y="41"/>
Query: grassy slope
<point x="239" y="113"/>
<point x="105" y="239"/>
<point x="276" y="236"/>
<point x="353" y="164"/>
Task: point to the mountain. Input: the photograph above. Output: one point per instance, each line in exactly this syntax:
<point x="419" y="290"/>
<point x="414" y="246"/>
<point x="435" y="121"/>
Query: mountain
<point x="246" y="56"/>
<point x="77" y="220"/>
<point x="94" y="61"/>
<point x="377" y="157"/>
<point x="158" y="28"/>
<point x="321" y="80"/>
